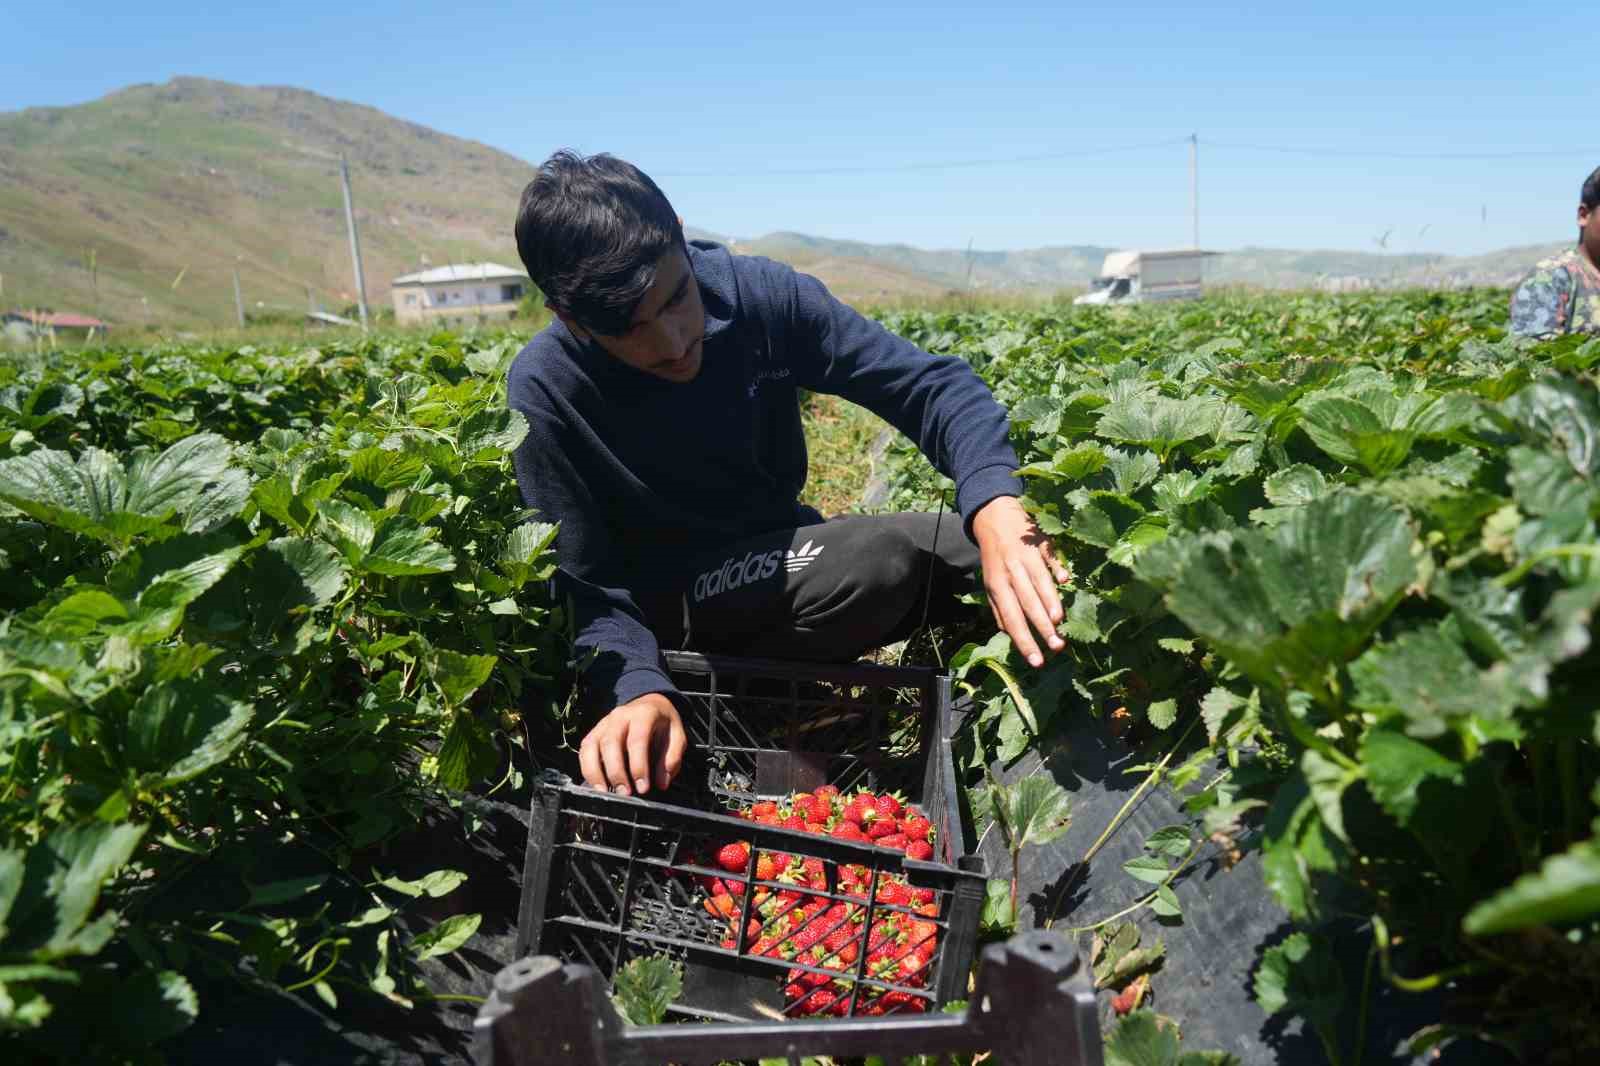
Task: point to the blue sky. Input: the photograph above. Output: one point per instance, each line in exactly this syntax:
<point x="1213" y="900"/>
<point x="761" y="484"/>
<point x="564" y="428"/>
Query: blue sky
<point x="724" y="103"/>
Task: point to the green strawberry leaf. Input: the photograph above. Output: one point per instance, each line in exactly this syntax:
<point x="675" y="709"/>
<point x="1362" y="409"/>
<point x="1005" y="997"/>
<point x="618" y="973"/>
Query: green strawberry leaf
<point x="1566" y="888"/>
<point x="1141" y="1040"/>
<point x="1301" y="976"/>
<point x="645" y="987"/>
<point x="401" y="547"/>
<point x="1287" y="603"/>
<point x="445" y="937"/>
<point x="50" y="900"/>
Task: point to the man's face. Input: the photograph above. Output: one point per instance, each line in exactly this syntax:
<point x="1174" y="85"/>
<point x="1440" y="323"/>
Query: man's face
<point x="1589" y="232"/>
<point x="668" y="327"/>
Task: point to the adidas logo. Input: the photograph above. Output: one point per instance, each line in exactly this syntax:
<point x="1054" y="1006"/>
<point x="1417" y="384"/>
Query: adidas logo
<point x="736" y="572"/>
<point x="801" y="557"/>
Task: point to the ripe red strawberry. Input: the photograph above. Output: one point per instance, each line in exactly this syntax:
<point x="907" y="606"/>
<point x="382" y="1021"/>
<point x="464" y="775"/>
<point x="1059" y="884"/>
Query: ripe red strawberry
<point x="826" y="793"/>
<point x="807" y="938"/>
<point x="917" y="828"/>
<point x="911" y="966"/>
<point x="1125" y="1001"/>
<point x="734" y="857"/>
<point x="888" y="807"/>
<point x="881" y="828"/>
<point x="920" y="850"/>
<point x="895" y="1000"/>
<point x="848" y="831"/>
<point x="804" y="804"/>
<point x="857" y="809"/>
<point x="794" y="821"/>
<point x="842" y="943"/>
<point x="894" y="892"/>
<point x="897" y="841"/>
<point x="721" y="906"/>
<point x="921" y="897"/>
<point x="764" y="808"/>
<point x="820" y="1001"/>
<point x="880" y="940"/>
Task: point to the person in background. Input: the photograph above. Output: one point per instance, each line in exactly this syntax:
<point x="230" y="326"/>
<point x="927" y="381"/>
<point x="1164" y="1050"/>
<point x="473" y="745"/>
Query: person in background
<point x="1562" y="294"/>
<point x="664" y="435"/>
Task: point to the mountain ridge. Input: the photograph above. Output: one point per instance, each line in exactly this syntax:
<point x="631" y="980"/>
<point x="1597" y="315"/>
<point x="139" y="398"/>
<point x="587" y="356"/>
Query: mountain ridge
<point x="139" y="206"/>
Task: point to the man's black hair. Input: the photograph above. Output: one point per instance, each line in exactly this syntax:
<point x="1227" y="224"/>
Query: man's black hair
<point x="1590" y="197"/>
<point x="590" y="231"/>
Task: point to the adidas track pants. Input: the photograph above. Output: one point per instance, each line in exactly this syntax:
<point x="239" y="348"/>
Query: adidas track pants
<point x="830" y="591"/>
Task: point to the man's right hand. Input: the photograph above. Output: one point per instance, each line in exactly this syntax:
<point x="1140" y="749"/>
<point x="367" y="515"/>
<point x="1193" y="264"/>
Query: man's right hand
<point x="637" y="744"/>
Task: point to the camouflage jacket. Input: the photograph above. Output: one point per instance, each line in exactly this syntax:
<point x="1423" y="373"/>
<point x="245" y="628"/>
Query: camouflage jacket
<point x="1562" y="295"/>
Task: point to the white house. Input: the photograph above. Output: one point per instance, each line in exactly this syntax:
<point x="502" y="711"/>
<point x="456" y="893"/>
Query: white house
<point x="457" y="292"/>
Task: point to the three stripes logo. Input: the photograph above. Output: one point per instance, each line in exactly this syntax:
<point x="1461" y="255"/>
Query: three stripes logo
<point x="801" y="557"/>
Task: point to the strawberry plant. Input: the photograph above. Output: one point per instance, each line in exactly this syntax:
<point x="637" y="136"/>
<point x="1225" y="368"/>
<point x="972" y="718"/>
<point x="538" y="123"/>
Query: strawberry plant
<point x="1353" y="541"/>
<point x="269" y="607"/>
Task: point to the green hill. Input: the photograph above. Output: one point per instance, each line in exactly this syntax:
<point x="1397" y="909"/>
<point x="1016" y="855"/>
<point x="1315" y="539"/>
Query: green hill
<point x="103" y="206"/>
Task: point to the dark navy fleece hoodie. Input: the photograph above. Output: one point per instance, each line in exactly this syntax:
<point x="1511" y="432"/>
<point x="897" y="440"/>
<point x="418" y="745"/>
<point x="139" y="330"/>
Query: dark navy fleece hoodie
<point x="643" y="473"/>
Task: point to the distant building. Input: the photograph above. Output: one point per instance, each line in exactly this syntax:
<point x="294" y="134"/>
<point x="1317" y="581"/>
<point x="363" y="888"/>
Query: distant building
<point x="51" y="324"/>
<point x="457" y="292"/>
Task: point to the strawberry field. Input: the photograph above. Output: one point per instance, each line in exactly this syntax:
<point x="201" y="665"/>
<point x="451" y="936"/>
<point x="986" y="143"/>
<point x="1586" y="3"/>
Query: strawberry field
<point x="1335" y="565"/>
<point x="264" y="612"/>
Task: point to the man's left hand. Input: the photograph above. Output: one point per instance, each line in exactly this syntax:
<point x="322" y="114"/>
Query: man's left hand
<point x="1020" y="572"/>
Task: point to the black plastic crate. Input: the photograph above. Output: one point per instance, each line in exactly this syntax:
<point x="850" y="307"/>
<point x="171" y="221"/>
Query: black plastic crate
<point x="610" y="878"/>
<point x="1033" y="1005"/>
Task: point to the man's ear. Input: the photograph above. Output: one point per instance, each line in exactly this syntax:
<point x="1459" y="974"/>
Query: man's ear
<point x="568" y="321"/>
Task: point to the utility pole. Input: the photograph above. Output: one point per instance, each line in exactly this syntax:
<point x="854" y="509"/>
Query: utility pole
<point x="355" y="243"/>
<point x="238" y="298"/>
<point x="1194" y="185"/>
<point x="91" y="258"/>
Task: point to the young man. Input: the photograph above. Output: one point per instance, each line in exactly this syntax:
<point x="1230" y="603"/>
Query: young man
<point x="1562" y="295"/>
<point x="665" y="438"/>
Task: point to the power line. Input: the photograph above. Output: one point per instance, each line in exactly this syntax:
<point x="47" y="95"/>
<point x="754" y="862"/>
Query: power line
<point x="954" y="164"/>
<point x="1045" y="157"/>
<point x="1363" y="153"/>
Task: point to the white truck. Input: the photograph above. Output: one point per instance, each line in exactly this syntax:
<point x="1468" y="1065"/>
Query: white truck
<point x="1135" y="277"/>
